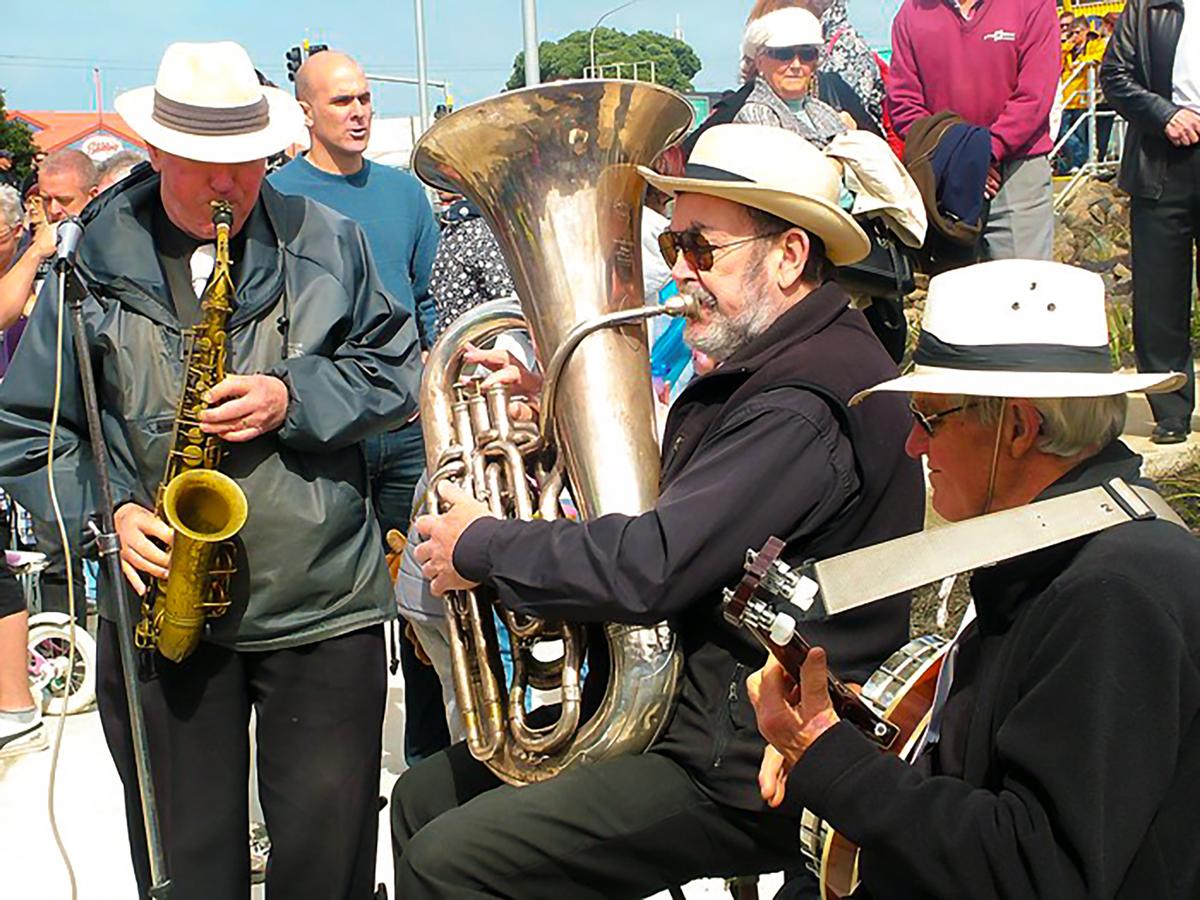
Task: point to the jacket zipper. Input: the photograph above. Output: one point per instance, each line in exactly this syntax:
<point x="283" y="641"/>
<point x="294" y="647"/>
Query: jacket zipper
<point x="725" y="733"/>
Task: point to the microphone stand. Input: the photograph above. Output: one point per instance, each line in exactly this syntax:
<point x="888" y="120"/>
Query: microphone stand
<point x="71" y="288"/>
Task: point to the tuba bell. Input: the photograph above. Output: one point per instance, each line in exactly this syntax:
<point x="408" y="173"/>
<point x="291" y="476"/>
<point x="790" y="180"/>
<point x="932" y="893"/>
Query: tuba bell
<point x="553" y="170"/>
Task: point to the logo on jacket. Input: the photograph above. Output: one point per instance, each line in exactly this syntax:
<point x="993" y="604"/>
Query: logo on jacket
<point x="1000" y="35"/>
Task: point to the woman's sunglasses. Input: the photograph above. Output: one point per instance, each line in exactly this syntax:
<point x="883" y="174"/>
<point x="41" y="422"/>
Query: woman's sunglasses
<point x="696" y="249"/>
<point x="808" y="53"/>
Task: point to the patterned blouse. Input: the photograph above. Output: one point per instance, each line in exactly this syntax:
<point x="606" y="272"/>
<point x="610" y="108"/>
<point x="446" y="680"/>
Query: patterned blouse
<point x="851" y="57"/>
<point x="467" y="270"/>
<point x="816" y="122"/>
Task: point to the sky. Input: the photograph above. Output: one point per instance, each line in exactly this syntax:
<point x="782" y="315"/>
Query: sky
<point x="47" y="54"/>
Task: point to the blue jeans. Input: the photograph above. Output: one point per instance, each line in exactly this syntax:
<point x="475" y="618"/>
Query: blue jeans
<point x="395" y="461"/>
<point x="1074" y="152"/>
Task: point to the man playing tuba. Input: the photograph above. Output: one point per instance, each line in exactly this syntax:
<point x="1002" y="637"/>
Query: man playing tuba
<point x="764" y="444"/>
<point x="325" y="359"/>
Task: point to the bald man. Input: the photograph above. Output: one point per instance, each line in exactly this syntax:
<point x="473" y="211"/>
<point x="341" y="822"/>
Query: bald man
<point x="394" y="212"/>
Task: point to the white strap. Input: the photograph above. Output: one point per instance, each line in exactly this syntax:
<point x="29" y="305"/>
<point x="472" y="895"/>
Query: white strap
<point x="863" y="576"/>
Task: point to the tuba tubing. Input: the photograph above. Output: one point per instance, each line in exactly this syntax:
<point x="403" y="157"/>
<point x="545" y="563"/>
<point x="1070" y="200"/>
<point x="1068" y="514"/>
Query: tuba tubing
<point x="553" y="169"/>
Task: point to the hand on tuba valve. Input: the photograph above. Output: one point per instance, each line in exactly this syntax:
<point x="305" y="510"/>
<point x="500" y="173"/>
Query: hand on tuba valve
<point x="441" y="533"/>
<point x="524" y="384"/>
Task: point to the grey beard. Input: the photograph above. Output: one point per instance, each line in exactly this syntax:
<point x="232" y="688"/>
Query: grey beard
<point x="724" y="335"/>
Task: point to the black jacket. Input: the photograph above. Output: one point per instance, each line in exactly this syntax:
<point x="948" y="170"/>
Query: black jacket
<point x="756" y="448"/>
<point x="1069" y="764"/>
<point x="1136" y="78"/>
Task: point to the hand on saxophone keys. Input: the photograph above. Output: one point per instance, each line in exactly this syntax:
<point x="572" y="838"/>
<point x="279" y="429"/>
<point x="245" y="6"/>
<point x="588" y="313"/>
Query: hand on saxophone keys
<point x="139" y="529"/>
<point x="441" y="533"/>
<point x="243" y="407"/>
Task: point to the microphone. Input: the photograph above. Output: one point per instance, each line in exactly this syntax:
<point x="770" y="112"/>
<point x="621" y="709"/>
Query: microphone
<point x="70" y="233"/>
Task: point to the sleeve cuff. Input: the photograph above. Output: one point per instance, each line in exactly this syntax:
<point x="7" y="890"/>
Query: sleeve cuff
<point x="472" y="559"/>
<point x="827" y="761"/>
<point x="291" y="418"/>
<point x="998" y="151"/>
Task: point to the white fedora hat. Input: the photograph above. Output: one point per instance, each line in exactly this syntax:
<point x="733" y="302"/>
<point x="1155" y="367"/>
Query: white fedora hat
<point x="206" y="104"/>
<point x="1018" y="328"/>
<point x="774" y="170"/>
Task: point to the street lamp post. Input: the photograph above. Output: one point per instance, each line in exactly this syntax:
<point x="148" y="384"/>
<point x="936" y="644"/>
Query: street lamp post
<point x="422" y="69"/>
<point x="592" y="36"/>
<point x="533" y="68"/>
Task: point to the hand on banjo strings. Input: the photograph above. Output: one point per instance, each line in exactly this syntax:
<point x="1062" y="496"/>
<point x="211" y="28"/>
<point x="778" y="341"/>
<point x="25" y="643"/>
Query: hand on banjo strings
<point x="441" y="533"/>
<point x="790" y="716"/>
<point x="524" y="385"/>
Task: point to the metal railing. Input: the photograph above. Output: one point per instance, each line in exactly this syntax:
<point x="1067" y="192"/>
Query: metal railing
<point x="598" y="70"/>
<point x="1093" y="165"/>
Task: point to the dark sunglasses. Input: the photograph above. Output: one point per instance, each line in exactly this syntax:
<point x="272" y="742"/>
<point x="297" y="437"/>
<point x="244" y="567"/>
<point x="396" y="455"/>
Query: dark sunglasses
<point x="696" y="249"/>
<point x="808" y="53"/>
<point x="928" y="421"/>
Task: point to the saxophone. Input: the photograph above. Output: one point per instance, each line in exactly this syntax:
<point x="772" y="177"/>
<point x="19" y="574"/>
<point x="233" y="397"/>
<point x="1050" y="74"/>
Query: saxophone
<point x="206" y="508"/>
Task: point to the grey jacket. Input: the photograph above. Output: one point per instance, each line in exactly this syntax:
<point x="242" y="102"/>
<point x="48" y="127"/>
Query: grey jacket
<point x="311" y="310"/>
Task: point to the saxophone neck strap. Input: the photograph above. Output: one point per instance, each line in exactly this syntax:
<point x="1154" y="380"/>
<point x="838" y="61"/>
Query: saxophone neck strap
<point x="841" y="583"/>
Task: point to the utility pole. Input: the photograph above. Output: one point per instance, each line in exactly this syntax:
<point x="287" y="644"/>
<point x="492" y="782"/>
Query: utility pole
<point x="533" y="67"/>
<point x="422" y="69"/>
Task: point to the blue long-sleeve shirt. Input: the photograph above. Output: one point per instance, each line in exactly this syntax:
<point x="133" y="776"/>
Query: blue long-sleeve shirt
<point x="391" y="207"/>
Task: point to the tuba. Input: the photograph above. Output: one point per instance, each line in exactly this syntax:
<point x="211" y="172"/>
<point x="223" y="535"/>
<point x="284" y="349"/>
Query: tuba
<point x="553" y="169"/>
<point x="204" y="507"/>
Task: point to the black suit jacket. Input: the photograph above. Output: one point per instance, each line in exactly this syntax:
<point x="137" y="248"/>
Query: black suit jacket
<point x="1136" y="78"/>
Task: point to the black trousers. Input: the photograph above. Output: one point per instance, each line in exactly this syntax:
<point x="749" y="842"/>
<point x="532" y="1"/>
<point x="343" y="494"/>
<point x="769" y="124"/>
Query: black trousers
<point x="320" y="720"/>
<point x="53" y="579"/>
<point x="627" y="827"/>
<point x="1165" y="234"/>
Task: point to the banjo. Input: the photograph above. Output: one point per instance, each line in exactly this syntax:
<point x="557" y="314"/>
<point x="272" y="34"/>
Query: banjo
<point x="892" y="709"/>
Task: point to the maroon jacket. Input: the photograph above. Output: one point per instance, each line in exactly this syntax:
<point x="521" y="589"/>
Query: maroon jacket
<point x="999" y="70"/>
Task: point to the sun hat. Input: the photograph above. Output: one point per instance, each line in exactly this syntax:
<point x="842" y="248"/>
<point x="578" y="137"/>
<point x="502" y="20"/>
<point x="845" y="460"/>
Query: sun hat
<point x="1018" y="328"/>
<point x="791" y="27"/>
<point x="774" y="170"/>
<point x="206" y="104"/>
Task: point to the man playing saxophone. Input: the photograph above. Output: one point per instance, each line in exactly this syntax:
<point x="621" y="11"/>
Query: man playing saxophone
<point x="320" y="358"/>
<point x="764" y="444"/>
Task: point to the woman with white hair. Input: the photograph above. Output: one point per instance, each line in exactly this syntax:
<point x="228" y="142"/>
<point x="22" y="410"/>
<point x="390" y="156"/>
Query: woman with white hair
<point x="12" y="232"/>
<point x="781" y="52"/>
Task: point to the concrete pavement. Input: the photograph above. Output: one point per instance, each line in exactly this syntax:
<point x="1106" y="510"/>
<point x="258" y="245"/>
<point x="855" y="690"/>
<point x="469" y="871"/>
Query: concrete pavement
<point x="92" y="821"/>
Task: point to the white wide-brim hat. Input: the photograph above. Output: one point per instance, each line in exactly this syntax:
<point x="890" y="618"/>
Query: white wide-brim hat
<point x="1018" y="328"/>
<point x="774" y="170"/>
<point x="207" y="104"/>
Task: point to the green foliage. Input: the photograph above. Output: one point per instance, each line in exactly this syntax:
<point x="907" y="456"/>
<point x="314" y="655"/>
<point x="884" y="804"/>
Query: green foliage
<point x="16" y="137"/>
<point x="675" y="62"/>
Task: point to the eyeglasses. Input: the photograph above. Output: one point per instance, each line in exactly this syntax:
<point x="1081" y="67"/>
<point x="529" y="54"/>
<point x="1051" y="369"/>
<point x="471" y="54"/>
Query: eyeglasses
<point x="808" y="53"/>
<point x="927" y="421"/>
<point x="696" y="249"/>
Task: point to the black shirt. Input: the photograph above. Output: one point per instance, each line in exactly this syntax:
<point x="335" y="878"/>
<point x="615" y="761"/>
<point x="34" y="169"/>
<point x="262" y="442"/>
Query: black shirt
<point x="175" y="248"/>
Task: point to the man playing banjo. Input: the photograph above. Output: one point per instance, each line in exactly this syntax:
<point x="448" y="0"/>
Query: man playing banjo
<point x="1065" y="759"/>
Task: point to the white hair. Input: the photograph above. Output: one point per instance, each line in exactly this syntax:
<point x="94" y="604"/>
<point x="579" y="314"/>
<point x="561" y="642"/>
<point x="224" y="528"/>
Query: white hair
<point x="1070" y="425"/>
<point x="10" y="206"/>
<point x="116" y="167"/>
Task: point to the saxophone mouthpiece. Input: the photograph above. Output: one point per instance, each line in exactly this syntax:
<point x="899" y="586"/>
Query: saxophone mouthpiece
<point x="222" y="213"/>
